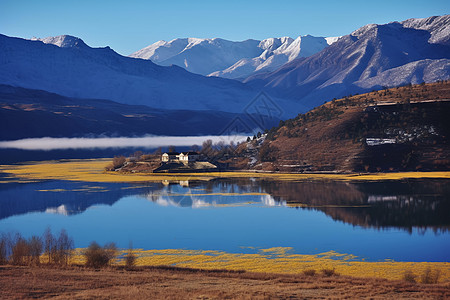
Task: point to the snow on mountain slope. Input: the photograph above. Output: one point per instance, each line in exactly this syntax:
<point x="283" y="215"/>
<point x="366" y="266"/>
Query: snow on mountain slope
<point x="63" y="41"/>
<point x="438" y="27"/>
<point x="101" y="73"/>
<point x="274" y="57"/>
<point x="200" y="56"/>
<point x="222" y="58"/>
<point x="370" y="57"/>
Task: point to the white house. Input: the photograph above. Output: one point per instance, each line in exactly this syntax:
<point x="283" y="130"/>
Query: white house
<point x="170" y="156"/>
<point x="189" y="156"/>
<point x="180" y="157"/>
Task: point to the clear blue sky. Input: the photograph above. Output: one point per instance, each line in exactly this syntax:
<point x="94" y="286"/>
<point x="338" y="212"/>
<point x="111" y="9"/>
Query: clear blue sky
<point x="127" y="26"/>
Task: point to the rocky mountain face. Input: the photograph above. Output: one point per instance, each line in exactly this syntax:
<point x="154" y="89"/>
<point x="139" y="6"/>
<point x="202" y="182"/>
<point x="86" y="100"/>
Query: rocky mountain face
<point x="371" y="57"/>
<point x="229" y="59"/>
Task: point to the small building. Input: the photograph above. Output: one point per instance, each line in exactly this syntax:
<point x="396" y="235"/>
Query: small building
<point x="170" y="156"/>
<point x="189" y="156"/>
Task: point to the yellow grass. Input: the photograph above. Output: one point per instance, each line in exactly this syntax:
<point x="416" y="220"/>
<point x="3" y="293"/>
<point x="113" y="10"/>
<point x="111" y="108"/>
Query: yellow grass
<point x="279" y="260"/>
<point x="92" y="170"/>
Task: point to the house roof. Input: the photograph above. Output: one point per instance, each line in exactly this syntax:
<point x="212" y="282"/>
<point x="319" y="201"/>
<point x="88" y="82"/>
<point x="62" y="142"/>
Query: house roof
<point x="190" y="153"/>
<point x="171" y="153"/>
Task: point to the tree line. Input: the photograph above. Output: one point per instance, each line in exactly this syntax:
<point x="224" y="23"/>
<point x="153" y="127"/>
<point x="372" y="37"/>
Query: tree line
<point x="55" y="250"/>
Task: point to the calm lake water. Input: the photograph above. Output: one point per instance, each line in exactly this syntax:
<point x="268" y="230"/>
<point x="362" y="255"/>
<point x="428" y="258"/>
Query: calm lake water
<point x="404" y="221"/>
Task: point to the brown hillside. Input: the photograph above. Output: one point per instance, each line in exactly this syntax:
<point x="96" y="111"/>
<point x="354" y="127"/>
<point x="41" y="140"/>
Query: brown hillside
<point x="413" y="121"/>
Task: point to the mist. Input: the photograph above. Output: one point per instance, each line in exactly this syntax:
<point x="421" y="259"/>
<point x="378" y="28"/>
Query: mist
<point x="48" y="143"/>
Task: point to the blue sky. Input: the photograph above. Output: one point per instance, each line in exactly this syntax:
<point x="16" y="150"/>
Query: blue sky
<point x="127" y="26"/>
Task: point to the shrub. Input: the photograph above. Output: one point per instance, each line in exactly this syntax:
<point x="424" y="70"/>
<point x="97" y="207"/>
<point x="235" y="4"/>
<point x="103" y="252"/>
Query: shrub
<point x="329" y="272"/>
<point x="309" y="272"/>
<point x="409" y="276"/>
<point x="3" y="250"/>
<point x="130" y="258"/>
<point x="430" y="276"/>
<point x="98" y="257"/>
<point x="118" y="161"/>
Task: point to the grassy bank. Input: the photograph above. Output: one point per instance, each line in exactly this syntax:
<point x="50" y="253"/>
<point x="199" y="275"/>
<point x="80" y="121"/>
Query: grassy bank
<point x="92" y="170"/>
<point x="281" y="261"/>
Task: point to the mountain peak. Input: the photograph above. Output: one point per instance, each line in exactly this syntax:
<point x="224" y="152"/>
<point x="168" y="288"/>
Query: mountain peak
<point x="63" y="41"/>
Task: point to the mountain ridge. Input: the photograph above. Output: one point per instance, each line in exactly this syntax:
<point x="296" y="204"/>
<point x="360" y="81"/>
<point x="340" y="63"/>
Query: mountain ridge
<point x="101" y="73"/>
<point x="231" y="59"/>
<point x="349" y="65"/>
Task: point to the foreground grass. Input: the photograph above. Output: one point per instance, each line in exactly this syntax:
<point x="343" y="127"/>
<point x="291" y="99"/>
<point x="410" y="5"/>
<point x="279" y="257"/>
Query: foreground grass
<point x="280" y="261"/>
<point x="92" y="170"/>
<point x="177" y="283"/>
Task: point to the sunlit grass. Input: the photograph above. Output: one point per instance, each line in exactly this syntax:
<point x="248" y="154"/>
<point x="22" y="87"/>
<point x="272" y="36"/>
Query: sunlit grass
<point x="92" y="170"/>
<point x="279" y="260"/>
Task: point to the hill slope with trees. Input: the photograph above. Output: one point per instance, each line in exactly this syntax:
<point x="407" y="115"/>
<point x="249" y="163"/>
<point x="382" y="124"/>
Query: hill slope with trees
<point x="398" y="129"/>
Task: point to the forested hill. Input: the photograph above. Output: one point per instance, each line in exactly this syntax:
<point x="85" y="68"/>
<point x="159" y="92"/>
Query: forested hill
<point x="403" y="128"/>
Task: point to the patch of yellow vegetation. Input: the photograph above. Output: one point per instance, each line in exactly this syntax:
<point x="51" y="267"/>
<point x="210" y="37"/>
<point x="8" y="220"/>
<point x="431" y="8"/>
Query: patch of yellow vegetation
<point x="278" y="260"/>
<point x="92" y="170"/>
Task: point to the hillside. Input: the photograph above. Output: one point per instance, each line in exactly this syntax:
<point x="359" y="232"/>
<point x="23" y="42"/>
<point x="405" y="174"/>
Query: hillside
<point x="26" y="113"/>
<point x="404" y="128"/>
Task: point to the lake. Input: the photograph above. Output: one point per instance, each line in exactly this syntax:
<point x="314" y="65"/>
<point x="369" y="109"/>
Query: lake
<point x="405" y="220"/>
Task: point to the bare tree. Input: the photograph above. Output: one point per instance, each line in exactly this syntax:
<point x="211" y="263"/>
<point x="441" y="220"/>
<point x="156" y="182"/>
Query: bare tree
<point x="64" y="247"/>
<point x="35" y="249"/>
<point x="49" y="243"/>
<point x="20" y="251"/>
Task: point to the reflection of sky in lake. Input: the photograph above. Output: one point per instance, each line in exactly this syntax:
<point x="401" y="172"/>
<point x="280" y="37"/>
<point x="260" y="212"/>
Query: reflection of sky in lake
<point x="225" y="215"/>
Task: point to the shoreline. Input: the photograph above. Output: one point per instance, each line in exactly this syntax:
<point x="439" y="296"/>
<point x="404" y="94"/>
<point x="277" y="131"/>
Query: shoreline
<point x="92" y="170"/>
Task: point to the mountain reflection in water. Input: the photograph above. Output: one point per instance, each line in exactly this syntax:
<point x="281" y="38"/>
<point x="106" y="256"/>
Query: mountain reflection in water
<point x="420" y="204"/>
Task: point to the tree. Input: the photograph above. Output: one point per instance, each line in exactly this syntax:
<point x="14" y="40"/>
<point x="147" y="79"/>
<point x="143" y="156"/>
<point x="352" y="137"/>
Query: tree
<point x="172" y="149"/>
<point x="207" y="148"/>
<point x="49" y="243"/>
<point x="64" y="247"/>
<point x="35" y="249"/>
<point x="158" y="151"/>
<point x="3" y="249"/>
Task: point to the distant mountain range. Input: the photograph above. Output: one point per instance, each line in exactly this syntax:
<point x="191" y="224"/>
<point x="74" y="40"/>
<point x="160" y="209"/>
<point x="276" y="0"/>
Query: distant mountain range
<point x="66" y="66"/>
<point x="228" y="59"/>
<point x="296" y="75"/>
<point x="413" y="51"/>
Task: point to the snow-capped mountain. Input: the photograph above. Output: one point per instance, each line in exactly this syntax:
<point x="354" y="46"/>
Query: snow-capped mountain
<point x="63" y="41"/>
<point x="373" y="56"/>
<point x="223" y="58"/>
<point x="67" y="66"/>
<point x="200" y="56"/>
<point x="276" y="53"/>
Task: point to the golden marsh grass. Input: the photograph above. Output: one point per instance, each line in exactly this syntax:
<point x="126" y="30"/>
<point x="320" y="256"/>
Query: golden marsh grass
<point x="92" y="170"/>
<point x="278" y="260"/>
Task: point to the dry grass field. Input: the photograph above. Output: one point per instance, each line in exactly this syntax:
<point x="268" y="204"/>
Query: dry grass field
<point x="177" y="283"/>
